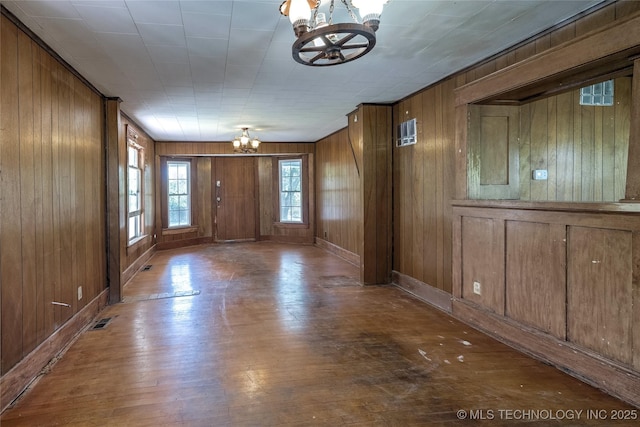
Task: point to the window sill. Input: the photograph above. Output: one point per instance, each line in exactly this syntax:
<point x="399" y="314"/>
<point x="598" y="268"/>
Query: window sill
<point x="291" y="225"/>
<point x="136" y="240"/>
<point x="179" y="230"/>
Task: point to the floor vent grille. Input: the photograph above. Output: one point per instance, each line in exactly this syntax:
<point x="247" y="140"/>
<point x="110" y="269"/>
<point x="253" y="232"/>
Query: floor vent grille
<point x="102" y="323"/>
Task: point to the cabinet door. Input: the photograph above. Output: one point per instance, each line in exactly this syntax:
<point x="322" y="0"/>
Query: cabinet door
<point x="493" y="163"/>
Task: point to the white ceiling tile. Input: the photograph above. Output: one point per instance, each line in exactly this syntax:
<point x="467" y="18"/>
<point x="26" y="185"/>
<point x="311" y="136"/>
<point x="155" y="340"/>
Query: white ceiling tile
<point x="206" y="25"/>
<point x="107" y="19"/>
<point x="156" y="34"/>
<point x="155" y="12"/>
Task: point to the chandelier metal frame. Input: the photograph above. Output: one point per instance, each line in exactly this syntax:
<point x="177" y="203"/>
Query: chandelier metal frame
<point x="331" y="44"/>
<point x="245" y="143"/>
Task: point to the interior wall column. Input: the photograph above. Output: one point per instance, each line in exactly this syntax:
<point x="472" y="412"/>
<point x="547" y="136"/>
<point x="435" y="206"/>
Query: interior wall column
<point x="375" y="184"/>
<point x="115" y="198"/>
<point x="632" y="192"/>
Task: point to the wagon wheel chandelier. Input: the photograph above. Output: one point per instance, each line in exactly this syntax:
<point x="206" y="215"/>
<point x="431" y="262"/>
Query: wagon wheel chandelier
<point x="321" y="42"/>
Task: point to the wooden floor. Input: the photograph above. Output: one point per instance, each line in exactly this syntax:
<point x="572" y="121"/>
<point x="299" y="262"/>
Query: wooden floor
<point x="264" y="334"/>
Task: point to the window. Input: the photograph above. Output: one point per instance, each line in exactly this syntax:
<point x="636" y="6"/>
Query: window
<point x="599" y="94"/>
<point x="135" y="162"/>
<point x="179" y="193"/>
<point x="290" y="183"/>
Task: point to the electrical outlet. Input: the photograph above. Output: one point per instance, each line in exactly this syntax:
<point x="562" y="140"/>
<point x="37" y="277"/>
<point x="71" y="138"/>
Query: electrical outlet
<point x="477" y="288"/>
<point x="79" y="293"/>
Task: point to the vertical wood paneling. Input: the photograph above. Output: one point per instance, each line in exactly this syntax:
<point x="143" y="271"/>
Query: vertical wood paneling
<point x="47" y="229"/>
<point x="338" y="193"/>
<point x="483" y="253"/>
<point x="565" y="143"/>
<point x="10" y="261"/>
<point x="635" y="285"/>
<point x="376" y="193"/>
<point x="27" y="193"/>
<point x="535" y="275"/>
<point x="552" y="149"/>
<point x="600" y="291"/>
<point x="429" y="190"/>
<point x="582" y="147"/>
<point x="51" y="136"/>
<point x="205" y="196"/>
<point x="419" y="182"/>
<point x="266" y="197"/>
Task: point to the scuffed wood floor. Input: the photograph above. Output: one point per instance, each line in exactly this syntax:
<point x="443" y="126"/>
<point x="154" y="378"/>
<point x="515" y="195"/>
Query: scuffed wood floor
<point x="264" y="334"/>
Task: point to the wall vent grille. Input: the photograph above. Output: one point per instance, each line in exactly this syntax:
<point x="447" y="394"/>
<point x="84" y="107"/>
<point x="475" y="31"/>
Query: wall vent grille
<point x="407" y="133"/>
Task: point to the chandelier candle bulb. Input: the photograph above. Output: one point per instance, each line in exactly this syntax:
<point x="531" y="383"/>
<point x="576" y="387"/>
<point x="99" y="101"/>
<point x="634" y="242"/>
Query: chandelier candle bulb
<point x="245" y="143"/>
<point x="320" y="42"/>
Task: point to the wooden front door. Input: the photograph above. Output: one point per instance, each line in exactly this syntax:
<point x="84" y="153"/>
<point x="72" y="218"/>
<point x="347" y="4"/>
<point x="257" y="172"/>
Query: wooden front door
<point x="235" y="185"/>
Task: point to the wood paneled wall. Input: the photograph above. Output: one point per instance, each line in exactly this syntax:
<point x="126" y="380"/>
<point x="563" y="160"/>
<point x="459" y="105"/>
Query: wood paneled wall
<point x="338" y="197"/>
<point x="567" y="271"/>
<point x="52" y="186"/>
<point x="424" y="174"/>
<point x="423" y="182"/>
<point x="133" y="256"/>
<point x="583" y="148"/>
<point x="201" y="155"/>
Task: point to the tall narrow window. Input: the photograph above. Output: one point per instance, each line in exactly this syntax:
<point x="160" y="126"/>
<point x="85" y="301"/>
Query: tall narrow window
<point x="135" y="161"/>
<point x="179" y="193"/>
<point x="290" y="171"/>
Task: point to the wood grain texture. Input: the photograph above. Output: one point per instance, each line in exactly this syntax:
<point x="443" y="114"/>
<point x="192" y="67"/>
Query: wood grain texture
<point x="494" y="152"/>
<point x="571" y="267"/>
<point x="600" y="292"/>
<point x="583" y="148"/>
<point x="615" y="37"/>
<point x="338" y="202"/>
<point x="10" y="261"/>
<point x="52" y="213"/>
<point x="376" y="176"/>
<point x="236" y="211"/>
<point x="424" y="182"/>
<point x="535" y="291"/>
<point x="482" y="253"/>
<point x="632" y="189"/>
<point x="280" y="334"/>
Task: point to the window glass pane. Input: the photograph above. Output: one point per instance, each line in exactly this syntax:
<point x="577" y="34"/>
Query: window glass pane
<point x="173" y="172"/>
<point x="134" y="190"/>
<point x="290" y="190"/>
<point x="179" y="194"/>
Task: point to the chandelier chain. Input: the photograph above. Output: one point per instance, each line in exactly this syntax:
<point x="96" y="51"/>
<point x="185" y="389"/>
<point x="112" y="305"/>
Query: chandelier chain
<point x="314" y="19"/>
<point x="331" y="12"/>
<point x="349" y="6"/>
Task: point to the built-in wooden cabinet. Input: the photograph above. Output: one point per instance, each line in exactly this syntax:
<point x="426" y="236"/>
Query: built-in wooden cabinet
<point x="557" y="280"/>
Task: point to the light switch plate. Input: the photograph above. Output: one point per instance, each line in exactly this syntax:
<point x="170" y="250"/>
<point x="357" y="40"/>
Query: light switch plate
<point x="540" y="174"/>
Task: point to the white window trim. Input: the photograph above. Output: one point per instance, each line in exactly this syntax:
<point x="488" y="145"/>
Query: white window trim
<point x="131" y="143"/>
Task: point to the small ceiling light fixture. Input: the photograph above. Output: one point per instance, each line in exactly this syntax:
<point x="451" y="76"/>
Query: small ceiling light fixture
<point x="322" y="43"/>
<point x="244" y="143"/>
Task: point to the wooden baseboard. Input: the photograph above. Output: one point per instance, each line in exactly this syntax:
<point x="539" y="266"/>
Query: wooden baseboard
<point x="14" y="382"/>
<point x="432" y="296"/>
<point x="337" y="250"/>
<point x="137" y="265"/>
<point x="175" y="244"/>
<point x="301" y="240"/>
<point x="614" y="379"/>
